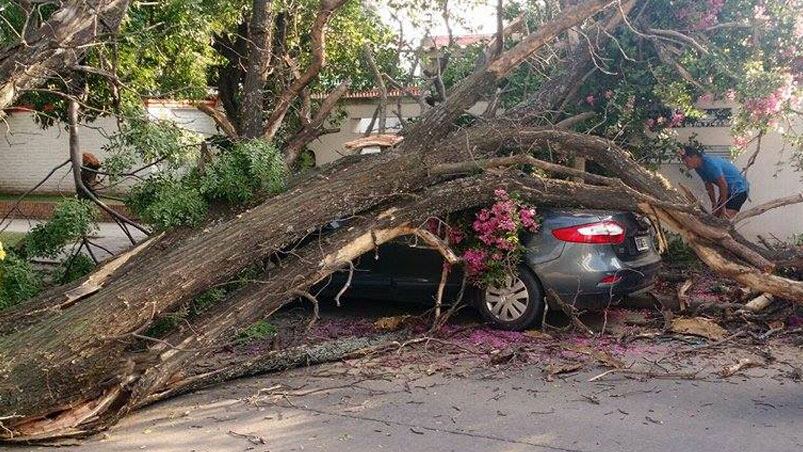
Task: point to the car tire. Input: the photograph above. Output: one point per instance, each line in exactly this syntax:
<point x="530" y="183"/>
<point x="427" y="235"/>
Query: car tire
<point x="515" y="305"/>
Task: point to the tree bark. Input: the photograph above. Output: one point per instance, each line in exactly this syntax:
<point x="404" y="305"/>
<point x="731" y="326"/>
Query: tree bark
<point x="57" y="44"/>
<point x="256" y="75"/>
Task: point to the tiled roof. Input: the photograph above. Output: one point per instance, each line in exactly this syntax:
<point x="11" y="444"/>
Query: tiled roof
<point x="173" y="103"/>
<point x="374" y="93"/>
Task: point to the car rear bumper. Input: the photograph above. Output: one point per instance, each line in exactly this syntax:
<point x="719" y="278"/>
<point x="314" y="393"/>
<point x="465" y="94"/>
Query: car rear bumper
<point x="597" y="297"/>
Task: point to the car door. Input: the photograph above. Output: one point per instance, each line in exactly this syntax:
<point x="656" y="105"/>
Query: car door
<point x="369" y="280"/>
<point x="415" y="269"/>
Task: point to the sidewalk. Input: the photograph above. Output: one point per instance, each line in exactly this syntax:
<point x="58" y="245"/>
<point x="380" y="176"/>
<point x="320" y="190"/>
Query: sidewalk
<point x="109" y="236"/>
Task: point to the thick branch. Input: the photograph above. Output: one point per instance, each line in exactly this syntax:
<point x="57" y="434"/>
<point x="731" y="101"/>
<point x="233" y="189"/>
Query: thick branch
<point x="314" y="128"/>
<point x="769" y="205"/>
<point x="750" y="277"/>
<point x="317" y="34"/>
<point x="220" y="119"/>
<point x="80" y="188"/>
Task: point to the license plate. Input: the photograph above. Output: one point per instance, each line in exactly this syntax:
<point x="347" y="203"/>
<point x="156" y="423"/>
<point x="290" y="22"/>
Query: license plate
<point x="642" y="243"/>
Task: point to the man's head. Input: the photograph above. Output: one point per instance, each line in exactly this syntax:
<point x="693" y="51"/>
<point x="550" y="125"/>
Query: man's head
<point x="691" y="156"/>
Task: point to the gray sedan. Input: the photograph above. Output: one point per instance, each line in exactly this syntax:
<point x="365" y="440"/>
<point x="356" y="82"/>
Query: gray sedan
<point x="589" y="258"/>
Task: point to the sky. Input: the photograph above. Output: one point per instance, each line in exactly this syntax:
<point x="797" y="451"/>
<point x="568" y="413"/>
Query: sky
<point x="479" y="17"/>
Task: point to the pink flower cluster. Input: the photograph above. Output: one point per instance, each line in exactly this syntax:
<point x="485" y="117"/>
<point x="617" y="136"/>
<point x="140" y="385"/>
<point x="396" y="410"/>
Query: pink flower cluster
<point x="741" y="141"/>
<point x="675" y="120"/>
<point x="497" y="229"/>
<point x="772" y="104"/>
<point x="475" y="261"/>
<point x="709" y="16"/>
<point x="591" y="99"/>
<point x="707" y="98"/>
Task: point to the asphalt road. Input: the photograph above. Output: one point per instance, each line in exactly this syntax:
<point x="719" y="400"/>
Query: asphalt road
<point x="342" y="406"/>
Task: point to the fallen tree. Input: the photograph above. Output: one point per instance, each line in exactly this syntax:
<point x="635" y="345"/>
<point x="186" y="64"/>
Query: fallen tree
<point x="75" y="359"/>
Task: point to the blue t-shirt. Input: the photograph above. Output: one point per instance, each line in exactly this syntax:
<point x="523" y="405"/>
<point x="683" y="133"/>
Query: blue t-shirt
<point x="714" y="167"/>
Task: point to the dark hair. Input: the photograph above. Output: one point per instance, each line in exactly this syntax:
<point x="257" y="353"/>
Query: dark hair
<point x="692" y="151"/>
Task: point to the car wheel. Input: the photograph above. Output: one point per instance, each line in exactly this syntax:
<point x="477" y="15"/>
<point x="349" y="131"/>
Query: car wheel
<point x="515" y="304"/>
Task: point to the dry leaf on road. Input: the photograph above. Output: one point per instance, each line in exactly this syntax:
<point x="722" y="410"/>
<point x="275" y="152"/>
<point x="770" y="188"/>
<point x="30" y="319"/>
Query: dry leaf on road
<point x="698" y="326"/>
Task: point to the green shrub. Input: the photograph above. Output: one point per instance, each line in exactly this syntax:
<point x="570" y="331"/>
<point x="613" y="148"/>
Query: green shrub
<point x="73" y="268"/>
<point x="165" y="202"/>
<point x="247" y="168"/>
<point x="18" y="280"/>
<point x="234" y="176"/>
<point x="72" y="219"/>
<point x="678" y="252"/>
<point x="207" y="299"/>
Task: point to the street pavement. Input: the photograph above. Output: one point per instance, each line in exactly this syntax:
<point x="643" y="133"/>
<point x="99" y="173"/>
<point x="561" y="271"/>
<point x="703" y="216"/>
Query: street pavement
<point x="345" y="407"/>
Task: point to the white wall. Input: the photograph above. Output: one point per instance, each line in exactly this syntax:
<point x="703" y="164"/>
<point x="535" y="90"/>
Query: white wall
<point x="28" y="152"/>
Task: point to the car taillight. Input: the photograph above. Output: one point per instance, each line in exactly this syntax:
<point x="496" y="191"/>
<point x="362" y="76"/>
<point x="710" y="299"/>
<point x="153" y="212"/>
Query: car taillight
<point x="603" y="232"/>
<point x="610" y="279"/>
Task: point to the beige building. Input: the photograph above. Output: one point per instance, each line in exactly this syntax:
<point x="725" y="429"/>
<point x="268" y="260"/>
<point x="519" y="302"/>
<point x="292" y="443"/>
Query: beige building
<point x="27" y="153"/>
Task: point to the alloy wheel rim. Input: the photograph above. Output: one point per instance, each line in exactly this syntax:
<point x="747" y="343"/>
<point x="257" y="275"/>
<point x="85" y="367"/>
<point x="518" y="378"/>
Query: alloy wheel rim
<point x="507" y="301"/>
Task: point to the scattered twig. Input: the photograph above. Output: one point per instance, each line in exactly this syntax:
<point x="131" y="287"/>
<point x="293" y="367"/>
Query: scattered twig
<point x="758" y="304"/>
<point x="570" y="311"/>
<point x="441" y="289"/>
<point x="315" y="306"/>
<point x="253" y="439"/>
<point x="648" y="374"/>
<point x="346" y="285"/>
<point x="682" y="294"/>
<point x="743" y="363"/>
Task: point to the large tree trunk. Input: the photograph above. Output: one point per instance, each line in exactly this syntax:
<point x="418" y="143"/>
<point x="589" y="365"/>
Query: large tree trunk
<point x="57" y="44"/>
<point x="260" y="35"/>
<point x="75" y="359"/>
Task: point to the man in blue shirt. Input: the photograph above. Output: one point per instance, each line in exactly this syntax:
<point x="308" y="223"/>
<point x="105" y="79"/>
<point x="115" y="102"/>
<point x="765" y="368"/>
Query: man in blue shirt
<point x="718" y="172"/>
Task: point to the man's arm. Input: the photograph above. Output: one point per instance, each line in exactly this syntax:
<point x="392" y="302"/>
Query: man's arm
<point x="722" y="184"/>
